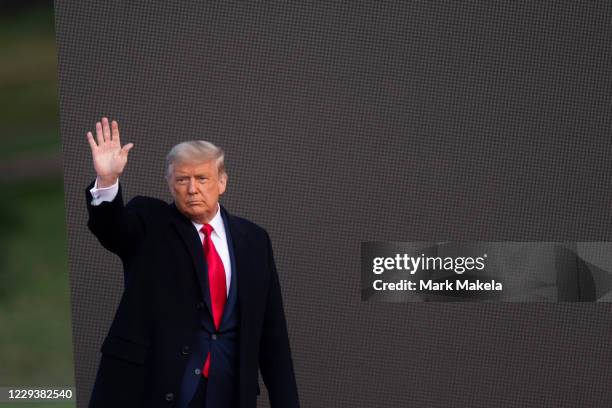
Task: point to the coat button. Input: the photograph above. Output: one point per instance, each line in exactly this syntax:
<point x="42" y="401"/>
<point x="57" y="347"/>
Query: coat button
<point x="200" y="305"/>
<point x="185" y="350"/>
<point x="197" y="371"/>
<point x="213" y="336"/>
<point x="169" y="397"/>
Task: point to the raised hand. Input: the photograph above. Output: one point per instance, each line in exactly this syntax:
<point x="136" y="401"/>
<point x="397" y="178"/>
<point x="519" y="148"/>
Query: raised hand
<point x="109" y="158"/>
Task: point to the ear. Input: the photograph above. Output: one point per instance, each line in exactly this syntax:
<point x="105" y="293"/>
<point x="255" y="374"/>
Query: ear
<point x="222" y="183"/>
<point x="170" y="187"/>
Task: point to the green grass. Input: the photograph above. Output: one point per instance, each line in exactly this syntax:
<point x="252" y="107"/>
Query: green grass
<point x="35" y="340"/>
<point x="29" y="98"/>
<point x="35" y="328"/>
<point x="34" y="20"/>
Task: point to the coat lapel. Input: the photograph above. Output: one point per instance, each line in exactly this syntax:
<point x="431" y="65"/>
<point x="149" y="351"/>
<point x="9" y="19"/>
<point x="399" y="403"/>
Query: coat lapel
<point x="243" y="267"/>
<point x="191" y="240"/>
<point x="240" y="254"/>
<point x="232" y="297"/>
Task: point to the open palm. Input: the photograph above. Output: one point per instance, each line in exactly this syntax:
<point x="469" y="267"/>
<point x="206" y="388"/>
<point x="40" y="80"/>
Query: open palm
<point x="109" y="158"/>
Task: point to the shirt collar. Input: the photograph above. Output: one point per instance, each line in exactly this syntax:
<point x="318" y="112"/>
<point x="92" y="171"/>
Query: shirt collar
<point x="216" y="223"/>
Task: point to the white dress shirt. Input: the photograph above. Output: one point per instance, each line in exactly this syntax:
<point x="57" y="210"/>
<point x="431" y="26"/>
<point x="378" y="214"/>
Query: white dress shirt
<point x="219" y="239"/>
<point x="218" y="235"/>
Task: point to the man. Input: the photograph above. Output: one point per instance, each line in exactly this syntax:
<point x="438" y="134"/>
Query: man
<point x="201" y="310"/>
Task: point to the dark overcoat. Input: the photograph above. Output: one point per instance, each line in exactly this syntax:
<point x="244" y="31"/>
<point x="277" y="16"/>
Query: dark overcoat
<point x="158" y="323"/>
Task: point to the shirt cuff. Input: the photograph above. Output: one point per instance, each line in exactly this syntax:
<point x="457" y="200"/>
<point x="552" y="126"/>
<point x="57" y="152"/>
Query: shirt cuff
<point x="104" y="193"/>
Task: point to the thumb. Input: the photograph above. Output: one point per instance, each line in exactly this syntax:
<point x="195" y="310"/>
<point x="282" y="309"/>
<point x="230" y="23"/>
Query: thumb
<point x="125" y="149"/>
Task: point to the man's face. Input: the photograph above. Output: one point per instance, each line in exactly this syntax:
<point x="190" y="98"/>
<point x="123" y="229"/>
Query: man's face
<point x="196" y="189"/>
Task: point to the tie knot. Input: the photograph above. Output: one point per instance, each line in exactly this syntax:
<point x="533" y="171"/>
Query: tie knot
<point x="206" y="229"/>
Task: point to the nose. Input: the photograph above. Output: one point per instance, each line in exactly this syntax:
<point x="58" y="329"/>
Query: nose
<point x="192" y="186"/>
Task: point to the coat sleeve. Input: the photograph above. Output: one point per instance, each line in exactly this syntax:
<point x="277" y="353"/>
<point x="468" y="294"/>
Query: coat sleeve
<point x="119" y="228"/>
<point x="274" y="351"/>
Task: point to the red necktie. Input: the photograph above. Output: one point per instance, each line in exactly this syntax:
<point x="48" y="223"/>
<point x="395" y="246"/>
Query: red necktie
<point x="216" y="283"/>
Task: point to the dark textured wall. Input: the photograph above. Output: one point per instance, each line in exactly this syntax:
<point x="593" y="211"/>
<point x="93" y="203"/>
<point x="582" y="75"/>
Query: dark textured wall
<point x="364" y="122"/>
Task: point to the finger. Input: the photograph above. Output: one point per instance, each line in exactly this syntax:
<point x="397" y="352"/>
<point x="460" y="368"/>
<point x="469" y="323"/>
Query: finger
<point x="99" y="134"/>
<point x="115" y="132"/>
<point x="106" y="129"/>
<point x="91" y="141"/>
<point x="125" y="149"/>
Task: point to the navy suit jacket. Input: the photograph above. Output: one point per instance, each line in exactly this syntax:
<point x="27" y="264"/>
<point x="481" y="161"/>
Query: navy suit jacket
<point x="158" y="326"/>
